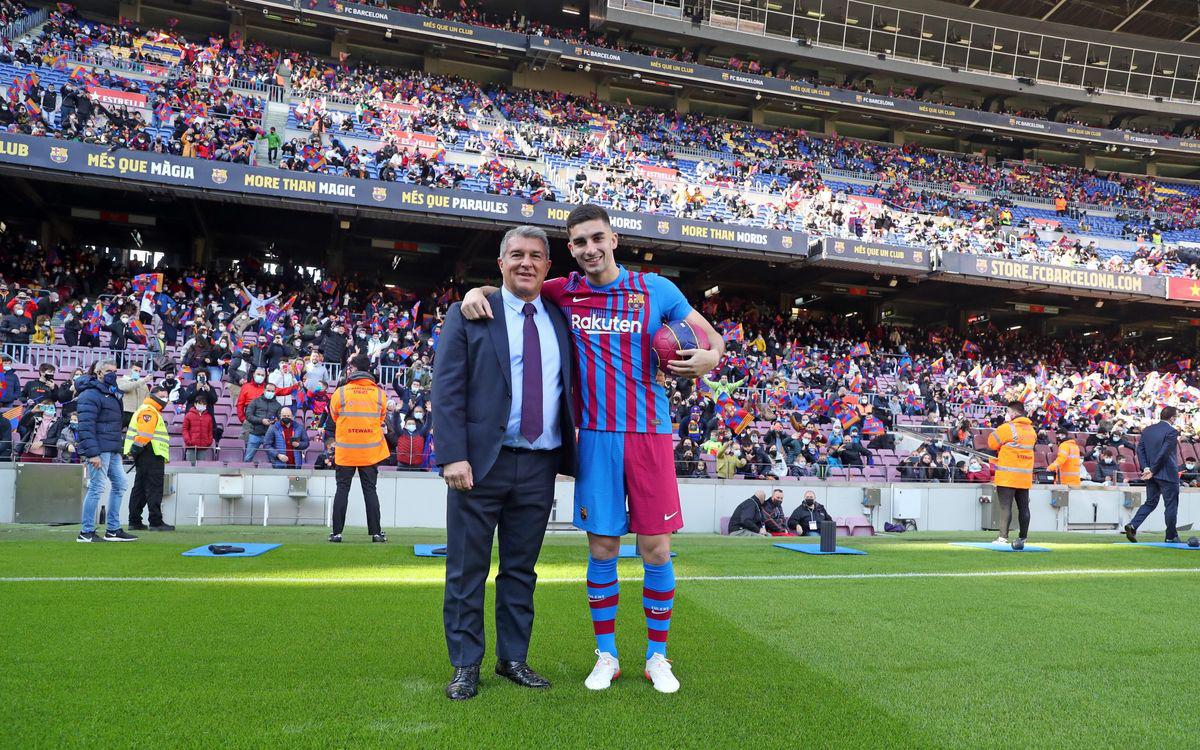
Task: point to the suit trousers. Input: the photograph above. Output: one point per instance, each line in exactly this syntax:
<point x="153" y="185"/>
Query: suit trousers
<point x="147" y="487"/>
<point x="515" y="497"/>
<point x="368" y="476"/>
<point x="1169" y="492"/>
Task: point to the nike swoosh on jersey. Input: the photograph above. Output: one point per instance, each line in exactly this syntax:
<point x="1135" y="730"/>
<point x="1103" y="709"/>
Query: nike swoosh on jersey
<point x="579" y="299"/>
<point x="668" y="518"/>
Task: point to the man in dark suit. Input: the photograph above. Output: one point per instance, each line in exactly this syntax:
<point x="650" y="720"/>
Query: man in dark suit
<point x="1156" y="452"/>
<point x="501" y="400"/>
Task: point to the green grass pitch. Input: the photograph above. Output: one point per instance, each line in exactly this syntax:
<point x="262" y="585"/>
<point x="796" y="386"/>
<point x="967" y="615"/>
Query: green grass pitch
<point x="319" y="645"/>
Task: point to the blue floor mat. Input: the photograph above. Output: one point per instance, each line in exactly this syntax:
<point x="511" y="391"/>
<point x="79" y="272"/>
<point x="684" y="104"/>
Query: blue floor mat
<point x="999" y="547"/>
<point x="429" y="550"/>
<point x="252" y="550"/>
<point x="1167" y="545"/>
<point x="815" y="549"/>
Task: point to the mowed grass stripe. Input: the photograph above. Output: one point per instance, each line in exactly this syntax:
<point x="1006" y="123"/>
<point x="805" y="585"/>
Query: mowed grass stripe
<point x="359" y="580"/>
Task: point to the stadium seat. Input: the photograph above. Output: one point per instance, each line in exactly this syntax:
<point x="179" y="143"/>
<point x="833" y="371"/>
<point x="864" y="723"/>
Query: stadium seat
<point x="859" y="526"/>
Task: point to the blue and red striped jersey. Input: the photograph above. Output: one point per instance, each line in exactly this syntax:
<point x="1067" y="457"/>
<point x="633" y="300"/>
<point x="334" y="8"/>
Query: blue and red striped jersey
<point x="612" y="327"/>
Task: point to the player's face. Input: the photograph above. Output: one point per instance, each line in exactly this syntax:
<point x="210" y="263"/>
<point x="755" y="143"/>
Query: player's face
<point x="592" y="244"/>
<point x="523" y="265"/>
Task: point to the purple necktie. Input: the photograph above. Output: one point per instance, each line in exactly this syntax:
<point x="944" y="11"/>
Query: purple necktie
<point x="531" y="379"/>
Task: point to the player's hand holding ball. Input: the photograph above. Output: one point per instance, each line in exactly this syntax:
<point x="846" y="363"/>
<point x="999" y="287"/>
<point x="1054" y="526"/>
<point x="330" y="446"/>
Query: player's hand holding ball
<point x="682" y="350"/>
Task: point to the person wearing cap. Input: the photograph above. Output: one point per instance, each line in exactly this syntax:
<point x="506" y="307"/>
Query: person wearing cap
<point x="358" y="409"/>
<point x="146" y="441"/>
<point x="1068" y="462"/>
<point x="807" y="517"/>
<point x="1014" y="440"/>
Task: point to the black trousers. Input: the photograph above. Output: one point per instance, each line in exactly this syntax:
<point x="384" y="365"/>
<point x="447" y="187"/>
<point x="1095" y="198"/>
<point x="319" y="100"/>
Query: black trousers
<point x="515" y="497"/>
<point x="367" y="476"/>
<point x="1005" y="496"/>
<point x="1169" y="492"/>
<point x="147" y="487"/>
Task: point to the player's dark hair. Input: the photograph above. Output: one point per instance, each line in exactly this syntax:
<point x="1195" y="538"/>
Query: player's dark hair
<point x="1168" y="413"/>
<point x="587" y="212"/>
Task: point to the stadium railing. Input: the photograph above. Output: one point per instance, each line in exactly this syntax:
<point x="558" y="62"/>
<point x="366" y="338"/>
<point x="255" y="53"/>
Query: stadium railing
<point x="70" y="357"/>
<point x="23" y="25"/>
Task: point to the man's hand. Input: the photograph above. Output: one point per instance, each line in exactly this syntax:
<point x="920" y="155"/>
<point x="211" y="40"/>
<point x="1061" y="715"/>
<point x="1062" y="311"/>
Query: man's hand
<point x="282" y="457"/>
<point x="694" y="363"/>
<point x="95" y="462"/>
<point x="475" y="305"/>
<point x="458" y="476"/>
<point x="1146" y="473"/>
<point x="266" y="422"/>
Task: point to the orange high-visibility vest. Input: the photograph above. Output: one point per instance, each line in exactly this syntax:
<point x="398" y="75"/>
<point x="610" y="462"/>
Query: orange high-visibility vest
<point x="359" y="409"/>
<point x="1014" y="463"/>
<point x="1067" y="463"/>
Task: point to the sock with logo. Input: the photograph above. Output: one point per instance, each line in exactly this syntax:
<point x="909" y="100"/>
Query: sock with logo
<point x="658" y="598"/>
<point x="603" y="595"/>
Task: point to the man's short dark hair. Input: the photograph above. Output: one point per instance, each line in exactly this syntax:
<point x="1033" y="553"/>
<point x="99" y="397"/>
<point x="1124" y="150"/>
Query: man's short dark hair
<point x="1168" y="413"/>
<point x="1017" y="407"/>
<point x="587" y="212"/>
<point x="361" y="362"/>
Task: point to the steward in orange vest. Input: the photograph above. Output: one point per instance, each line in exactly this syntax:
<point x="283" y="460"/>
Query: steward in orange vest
<point x="1068" y="461"/>
<point x="358" y="409"/>
<point x="1014" y="442"/>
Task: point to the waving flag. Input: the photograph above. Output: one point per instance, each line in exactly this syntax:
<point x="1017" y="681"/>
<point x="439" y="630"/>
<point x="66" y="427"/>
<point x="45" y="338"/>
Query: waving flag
<point x="872" y="426"/>
<point x="243" y="297"/>
<point x="196" y="283"/>
<point x="1184" y="365"/>
<point x="861" y="350"/>
<point x="13" y="416"/>
<point x="737" y="419"/>
<point x="970" y="347"/>
<point x="151" y="281"/>
<point x="329" y="286"/>
<point x="139" y="330"/>
<point x="735" y="333"/>
<point x="905" y="366"/>
<point x="938" y="366"/>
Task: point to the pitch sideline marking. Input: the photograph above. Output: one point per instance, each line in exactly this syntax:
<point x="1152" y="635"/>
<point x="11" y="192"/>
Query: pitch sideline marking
<point x="1076" y="572"/>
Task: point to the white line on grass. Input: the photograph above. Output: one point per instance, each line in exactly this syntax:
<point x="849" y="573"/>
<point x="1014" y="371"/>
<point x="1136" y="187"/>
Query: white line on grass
<point x="1068" y="572"/>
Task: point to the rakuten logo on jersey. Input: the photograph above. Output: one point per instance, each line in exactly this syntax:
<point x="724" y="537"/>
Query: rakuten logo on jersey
<point x="593" y="323"/>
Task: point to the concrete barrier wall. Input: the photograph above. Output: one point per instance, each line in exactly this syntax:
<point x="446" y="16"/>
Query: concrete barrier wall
<point x="244" y="496"/>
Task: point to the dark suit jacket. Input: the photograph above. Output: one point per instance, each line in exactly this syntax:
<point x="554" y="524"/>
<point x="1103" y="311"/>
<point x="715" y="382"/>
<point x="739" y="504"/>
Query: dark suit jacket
<point x="1158" y="451"/>
<point x="472" y="389"/>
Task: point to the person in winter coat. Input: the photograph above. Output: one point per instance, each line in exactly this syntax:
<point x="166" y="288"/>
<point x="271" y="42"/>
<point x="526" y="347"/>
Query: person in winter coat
<point x="197" y="431"/>
<point x="286" y="441"/>
<point x="134" y="389"/>
<point x="100" y="443"/>
<point x="261" y="414"/>
<point x="410" y="446"/>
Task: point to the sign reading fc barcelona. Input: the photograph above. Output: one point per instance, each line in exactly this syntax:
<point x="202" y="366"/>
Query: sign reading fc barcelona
<point x="24" y="151"/>
<point x="1007" y="269"/>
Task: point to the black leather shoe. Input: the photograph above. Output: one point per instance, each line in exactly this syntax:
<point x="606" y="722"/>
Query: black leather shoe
<point x="1130" y="533"/>
<point x="162" y="527"/>
<point x="464" y="685"/>
<point x="137" y="527"/>
<point x="520" y="673"/>
<point x="1176" y="540"/>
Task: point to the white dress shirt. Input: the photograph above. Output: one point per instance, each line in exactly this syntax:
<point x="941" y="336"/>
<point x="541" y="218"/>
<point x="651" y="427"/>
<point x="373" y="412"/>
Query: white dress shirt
<point x="552" y="385"/>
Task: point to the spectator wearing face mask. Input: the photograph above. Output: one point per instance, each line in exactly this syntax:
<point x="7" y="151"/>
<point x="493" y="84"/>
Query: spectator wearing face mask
<point x="38" y="433"/>
<point x="285" y="378"/>
<point x="261" y="413"/>
<point x="1107" y="469"/>
<point x="254" y="389"/>
<point x="1190" y="475"/>
<point x="43" y="388"/>
<point x="43" y="334"/>
<point x="68" y="440"/>
<point x="325" y="459"/>
<point x="978" y="471"/>
<point x="197" y="431"/>
<point x="332" y="343"/>
<point x="73" y="325"/>
<point x="729" y="459"/>
<point x="16" y="327"/>
<point x="852" y="452"/>
<point x="100" y="447"/>
<point x="135" y="390"/>
<point x="687" y="460"/>
<point x="286" y="441"/>
<point x="807" y="516"/>
<point x="118" y="331"/>
<point x="774" y="519"/>
<point x="410" y="445"/>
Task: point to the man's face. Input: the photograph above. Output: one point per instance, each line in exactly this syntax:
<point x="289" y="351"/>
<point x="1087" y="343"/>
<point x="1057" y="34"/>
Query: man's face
<point x="809" y="498"/>
<point x="777" y="497"/>
<point x="592" y="244"/>
<point x="524" y="265"/>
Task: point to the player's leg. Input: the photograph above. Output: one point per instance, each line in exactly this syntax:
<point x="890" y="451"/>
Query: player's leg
<point x="654" y="513"/>
<point x="600" y="511"/>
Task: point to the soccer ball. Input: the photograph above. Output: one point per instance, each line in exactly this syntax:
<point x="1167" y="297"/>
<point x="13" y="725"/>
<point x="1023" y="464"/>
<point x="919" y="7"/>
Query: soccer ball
<point x="673" y="337"/>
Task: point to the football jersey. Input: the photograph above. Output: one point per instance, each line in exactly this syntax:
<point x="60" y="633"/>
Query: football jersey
<point x="612" y="327"/>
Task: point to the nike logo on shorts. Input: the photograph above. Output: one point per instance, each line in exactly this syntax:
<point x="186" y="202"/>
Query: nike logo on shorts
<point x="668" y="518"/>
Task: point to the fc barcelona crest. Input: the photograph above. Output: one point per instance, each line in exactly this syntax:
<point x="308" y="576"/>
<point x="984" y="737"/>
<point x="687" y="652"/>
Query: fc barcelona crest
<point x="219" y="176"/>
<point x="637" y="301"/>
<point x="58" y="154"/>
<point x="981" y="265"/>
<point x="379" y="194"/>
<point x="527" y="210"/>
<point x="664" y="227"/>
<point x="786" y="240"/>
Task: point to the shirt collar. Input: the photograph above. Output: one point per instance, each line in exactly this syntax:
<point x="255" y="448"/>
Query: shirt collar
<point x="516" y="304"/>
